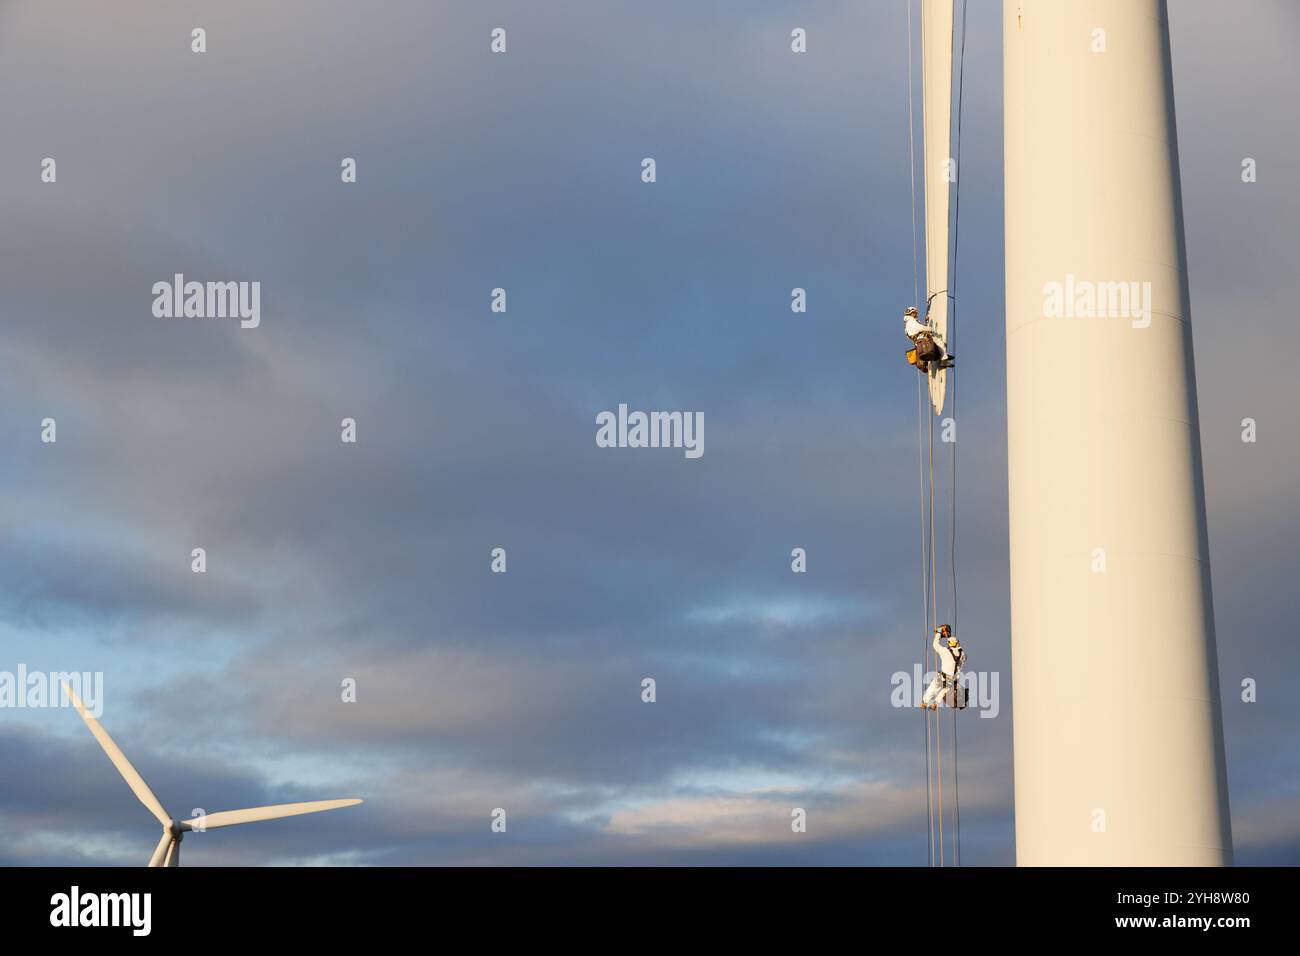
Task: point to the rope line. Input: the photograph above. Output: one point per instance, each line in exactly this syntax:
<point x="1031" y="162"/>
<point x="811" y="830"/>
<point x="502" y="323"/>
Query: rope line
<point x="932" y="618"/>
<point x="952" y="339"/>
<point x="922" y="409"/>
<point x="937" y="842"/>
<point x="911" y="160"/>
<point x="934" y="599"/>
<point x="922" y="415"/>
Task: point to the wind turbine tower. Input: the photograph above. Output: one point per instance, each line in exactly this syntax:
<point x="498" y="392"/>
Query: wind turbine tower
<point x="1119" y="756"/>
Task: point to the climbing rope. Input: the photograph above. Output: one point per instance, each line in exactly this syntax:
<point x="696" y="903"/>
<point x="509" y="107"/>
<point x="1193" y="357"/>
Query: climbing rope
<point x="911" y="161"/>
<point x="922" y="410"/>
<point x="934" y="599"/>
<point x="929" y="513"/>
<point x="921" y="407"/>
<point x="952" y="491"/>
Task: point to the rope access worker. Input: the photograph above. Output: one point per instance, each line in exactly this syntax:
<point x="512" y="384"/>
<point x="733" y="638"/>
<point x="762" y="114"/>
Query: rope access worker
<point x="929" y="348"/>
<point x="952" y="658"/>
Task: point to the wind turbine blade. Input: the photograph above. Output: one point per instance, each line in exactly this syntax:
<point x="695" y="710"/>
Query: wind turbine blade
<point x="160" y="852"/>
<point x="174" y="853"/>
<point x="229" y="818"/>
<point x="936" y="95"/>
<point x="129" y="773"/>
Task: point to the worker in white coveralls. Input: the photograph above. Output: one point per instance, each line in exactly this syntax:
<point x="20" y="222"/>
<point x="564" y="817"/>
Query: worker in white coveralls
<point x="952" y="657"/>
<point x="929" y="348"/>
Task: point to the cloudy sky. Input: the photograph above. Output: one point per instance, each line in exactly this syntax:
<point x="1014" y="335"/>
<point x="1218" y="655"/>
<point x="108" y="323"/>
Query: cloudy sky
<point x="476" y="430"/>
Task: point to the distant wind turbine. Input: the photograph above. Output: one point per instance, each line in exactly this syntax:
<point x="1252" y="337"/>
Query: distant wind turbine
<point x="168" y="851"/>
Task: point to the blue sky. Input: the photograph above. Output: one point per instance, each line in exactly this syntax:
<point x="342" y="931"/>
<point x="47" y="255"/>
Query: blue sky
<point x="476" y="430"/>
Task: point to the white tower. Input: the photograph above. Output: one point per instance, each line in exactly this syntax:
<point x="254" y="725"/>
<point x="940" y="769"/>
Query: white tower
<point x="1119" y="754"/>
